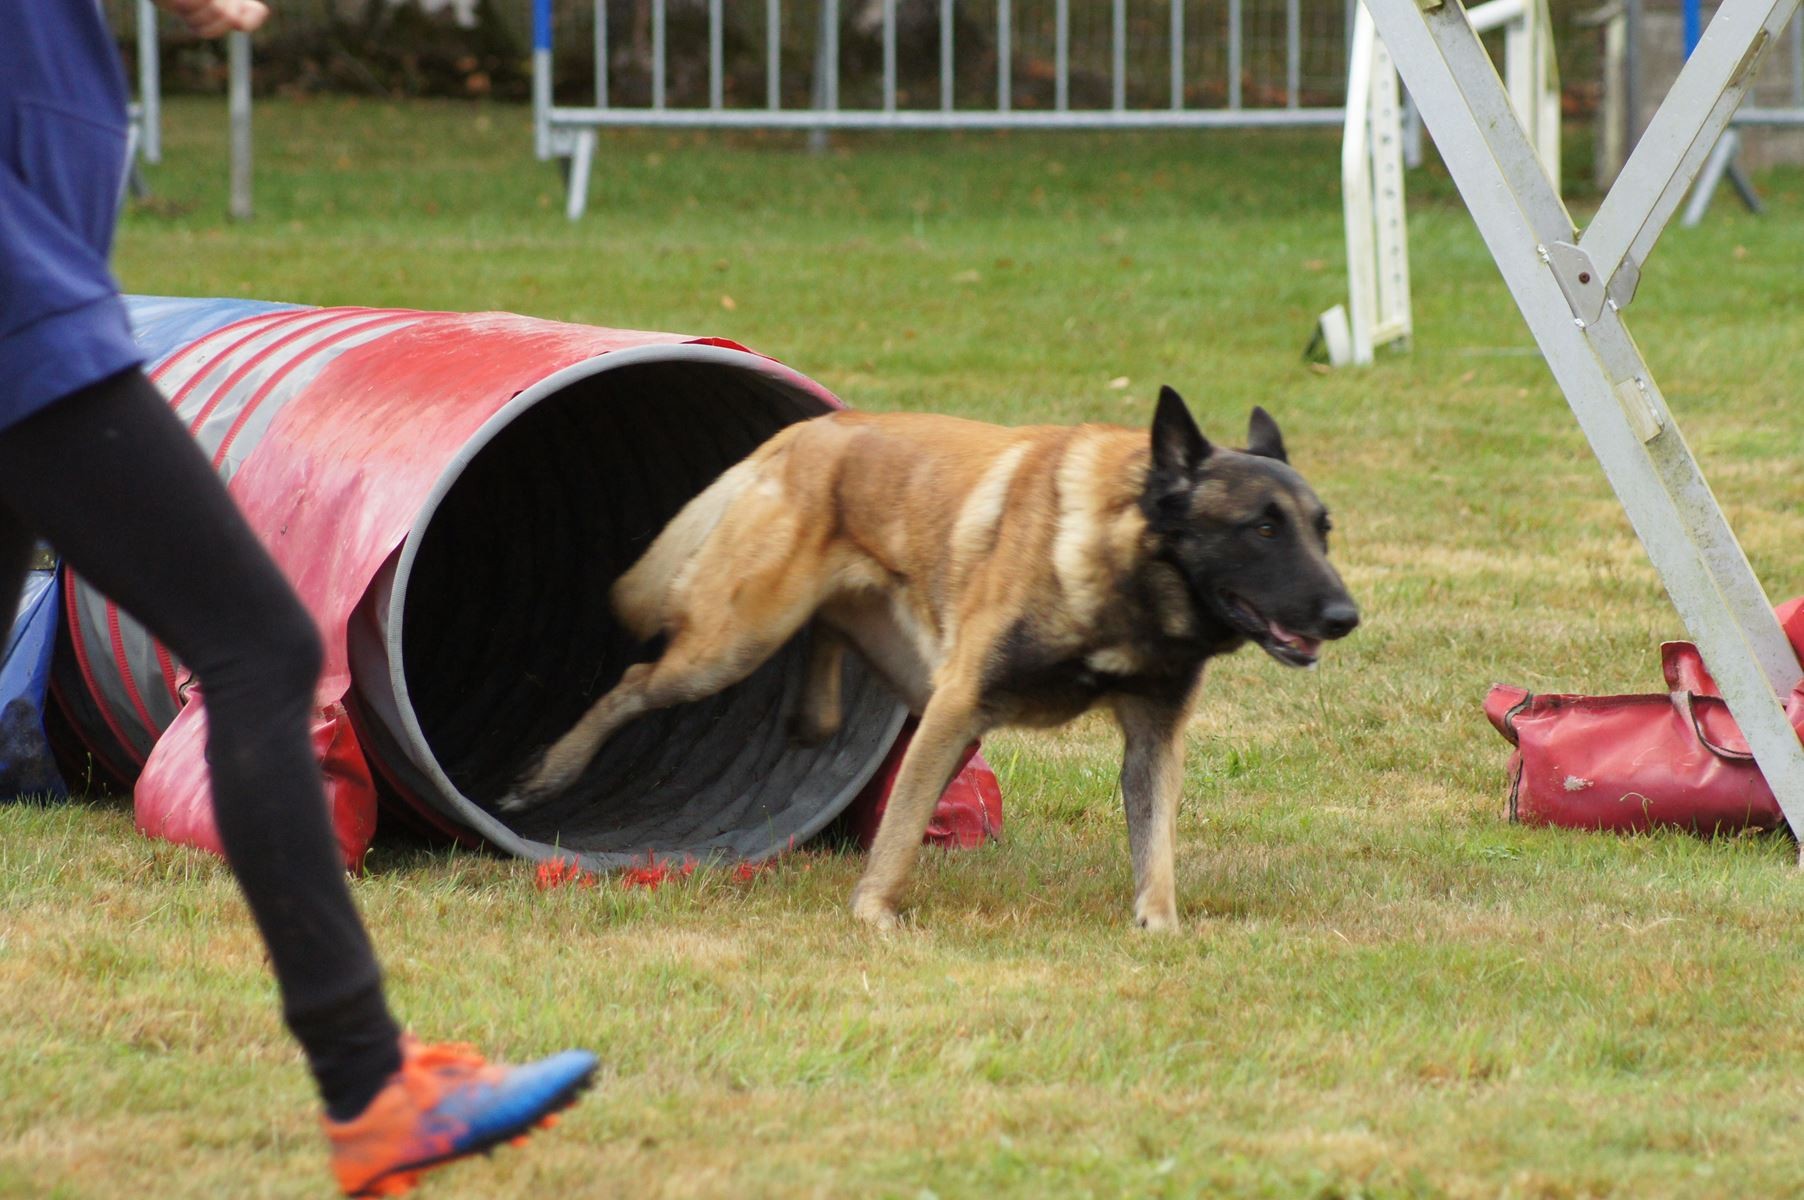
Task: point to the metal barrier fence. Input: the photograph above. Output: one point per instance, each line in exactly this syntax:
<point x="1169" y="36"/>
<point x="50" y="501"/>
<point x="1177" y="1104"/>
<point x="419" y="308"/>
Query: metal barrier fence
<point x="1010" y="101"/>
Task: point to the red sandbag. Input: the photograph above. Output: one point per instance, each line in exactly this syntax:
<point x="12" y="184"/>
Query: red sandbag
<point x="185" y="814"/>
<point x="1630" y="763"/>
<point x="968" y="814"/>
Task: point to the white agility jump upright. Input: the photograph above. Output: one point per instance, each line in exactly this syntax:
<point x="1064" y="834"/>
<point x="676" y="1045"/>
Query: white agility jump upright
<point x="1377" y="312"/>
<point x="1572" y="291"/>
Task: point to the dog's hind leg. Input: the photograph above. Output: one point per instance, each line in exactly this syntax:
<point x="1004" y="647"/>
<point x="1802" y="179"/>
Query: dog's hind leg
<point x="749" y="619"/>
<point x="818" y="713"/>
<point x="951" y="722"/>
<point x="1152" y="779"/>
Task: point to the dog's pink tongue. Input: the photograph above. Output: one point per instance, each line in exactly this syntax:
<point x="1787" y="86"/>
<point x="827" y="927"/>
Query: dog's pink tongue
<point x="1296" y="641"/>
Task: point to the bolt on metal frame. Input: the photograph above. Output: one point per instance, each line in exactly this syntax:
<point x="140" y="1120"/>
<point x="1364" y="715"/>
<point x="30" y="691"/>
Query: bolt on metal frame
<point x="1572" y="291"/>
<point x="569" y="132"/>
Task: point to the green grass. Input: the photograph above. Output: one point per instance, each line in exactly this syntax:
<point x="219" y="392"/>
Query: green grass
<point x="1383" y="989"/>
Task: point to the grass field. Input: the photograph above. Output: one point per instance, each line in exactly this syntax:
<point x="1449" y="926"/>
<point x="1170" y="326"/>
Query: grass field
<point x="1383" y="989"/>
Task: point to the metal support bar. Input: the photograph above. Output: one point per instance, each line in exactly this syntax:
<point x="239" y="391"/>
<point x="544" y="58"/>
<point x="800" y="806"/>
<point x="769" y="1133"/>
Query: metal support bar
<point x="946" y="80"/>
<point x="238" y="108"/>
<point x="1775" y="118"/>
<point x="541" y="78"/>
<point x="657" y="54"/>
<point x="889" y="55"/>
<point x="1235" y="28"/>
<point x="716" y="55"/>
<point x="564" y="119"/>
<point x="601" y="53"/>
<point x="1293" y="53"/>
<point x="773" y="54"/>
<point x="1061" y="55"/>
<point x="826" y="79"/>
<point x="577" y="171"/>
<point x="1118" y="55"/>
<point x="1177" y="54"/>
<point x="1005" y="56"/>
<point x="1797" y="61"/>
<point x="1596" y="363"/>
<point x="150" y="86"/>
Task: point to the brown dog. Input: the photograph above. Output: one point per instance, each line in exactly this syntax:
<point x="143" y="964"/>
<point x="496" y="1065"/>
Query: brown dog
<point x="992" y="576"/>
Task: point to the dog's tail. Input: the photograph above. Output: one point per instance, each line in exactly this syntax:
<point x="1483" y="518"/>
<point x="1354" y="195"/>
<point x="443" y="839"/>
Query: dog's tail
<point x="641" y="595"/>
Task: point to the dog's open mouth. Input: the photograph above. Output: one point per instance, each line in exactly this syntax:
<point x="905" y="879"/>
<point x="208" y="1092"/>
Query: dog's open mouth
<point x="1287" y="646"/>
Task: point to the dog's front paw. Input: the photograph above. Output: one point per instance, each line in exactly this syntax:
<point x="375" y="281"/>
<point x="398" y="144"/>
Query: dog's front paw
<point x="878" y="913"/>
<point x="529" y="790"/>
<point x="1157" y="920"/>
<point x="519" y="801"/>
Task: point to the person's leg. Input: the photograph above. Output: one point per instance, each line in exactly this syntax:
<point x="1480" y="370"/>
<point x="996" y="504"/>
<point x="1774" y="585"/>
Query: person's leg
<point x="16" y="545"/>
<point x="111" y="478"/>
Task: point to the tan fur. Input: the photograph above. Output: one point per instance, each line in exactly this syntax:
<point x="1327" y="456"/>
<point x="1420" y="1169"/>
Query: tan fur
<point x="937" y="548"/>
<point x="639" y="594"/>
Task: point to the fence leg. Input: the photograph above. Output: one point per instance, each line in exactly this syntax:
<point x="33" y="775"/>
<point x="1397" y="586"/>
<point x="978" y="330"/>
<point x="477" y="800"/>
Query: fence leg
<point x="1568" y="293"/>
<point x="135" y="185"/>
<point x="577" y="169"/>
<point x="1721" y="164"/>
<point x="238" y="60"/>
<point x="824" y="86"/>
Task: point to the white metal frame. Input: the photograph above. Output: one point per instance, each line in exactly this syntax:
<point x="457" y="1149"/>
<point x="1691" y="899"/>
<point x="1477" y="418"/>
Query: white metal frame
<point x="1572" y="290"/>
<point x="1373" y="153"/>
<point x="568" y="132"/>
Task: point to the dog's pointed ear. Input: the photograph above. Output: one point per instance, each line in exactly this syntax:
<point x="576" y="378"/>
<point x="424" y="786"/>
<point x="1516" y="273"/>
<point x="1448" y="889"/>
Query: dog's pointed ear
<point x="1263" y="437"/>
<point x="1178" y="445"/>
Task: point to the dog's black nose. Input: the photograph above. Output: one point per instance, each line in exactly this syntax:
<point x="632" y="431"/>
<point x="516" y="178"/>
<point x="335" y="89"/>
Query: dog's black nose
<point x="1339" y="618"/>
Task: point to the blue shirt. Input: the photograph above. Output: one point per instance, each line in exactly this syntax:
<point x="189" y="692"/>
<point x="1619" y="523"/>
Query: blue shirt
<point x="62" y="169"/>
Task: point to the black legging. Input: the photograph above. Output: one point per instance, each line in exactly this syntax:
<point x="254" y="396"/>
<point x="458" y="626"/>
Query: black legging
<point x="113" y="481"/>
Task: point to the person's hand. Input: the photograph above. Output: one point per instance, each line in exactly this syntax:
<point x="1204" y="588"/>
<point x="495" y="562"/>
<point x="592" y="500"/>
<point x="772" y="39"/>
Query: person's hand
<point x="211" y="18"/>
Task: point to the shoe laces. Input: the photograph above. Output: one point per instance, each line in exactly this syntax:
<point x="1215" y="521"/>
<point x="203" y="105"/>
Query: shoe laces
<point x="432" y="1069"/>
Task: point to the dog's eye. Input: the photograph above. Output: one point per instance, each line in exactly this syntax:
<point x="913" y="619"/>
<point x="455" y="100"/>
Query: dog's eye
<point x="1266" y="529"/>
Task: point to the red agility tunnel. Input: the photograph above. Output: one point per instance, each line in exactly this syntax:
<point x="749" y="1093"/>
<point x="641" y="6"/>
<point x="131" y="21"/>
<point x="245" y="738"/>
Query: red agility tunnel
<point x="452" y="495"/>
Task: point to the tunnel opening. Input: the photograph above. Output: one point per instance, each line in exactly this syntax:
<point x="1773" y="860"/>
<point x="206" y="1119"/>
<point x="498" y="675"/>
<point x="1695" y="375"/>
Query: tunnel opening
<point x="491" y="633"/>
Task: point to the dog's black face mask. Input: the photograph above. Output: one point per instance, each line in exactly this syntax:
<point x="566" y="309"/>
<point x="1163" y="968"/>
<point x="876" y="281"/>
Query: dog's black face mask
<point x="1248" y="534"/>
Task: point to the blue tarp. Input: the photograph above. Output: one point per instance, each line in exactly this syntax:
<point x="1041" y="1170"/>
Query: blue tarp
<point x="163" y="324"/>
<point x="26" y="765"/>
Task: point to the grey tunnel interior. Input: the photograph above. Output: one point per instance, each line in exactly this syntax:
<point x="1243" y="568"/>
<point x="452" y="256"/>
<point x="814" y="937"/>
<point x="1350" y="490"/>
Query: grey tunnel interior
<point x="506" y="637"/>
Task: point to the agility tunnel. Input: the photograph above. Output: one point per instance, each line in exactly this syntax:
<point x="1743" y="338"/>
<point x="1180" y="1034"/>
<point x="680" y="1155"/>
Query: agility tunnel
<point x="452" y="495"/>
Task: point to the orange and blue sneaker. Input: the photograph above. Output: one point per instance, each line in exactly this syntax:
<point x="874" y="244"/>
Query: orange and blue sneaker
<point x="446" y="1103"/>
